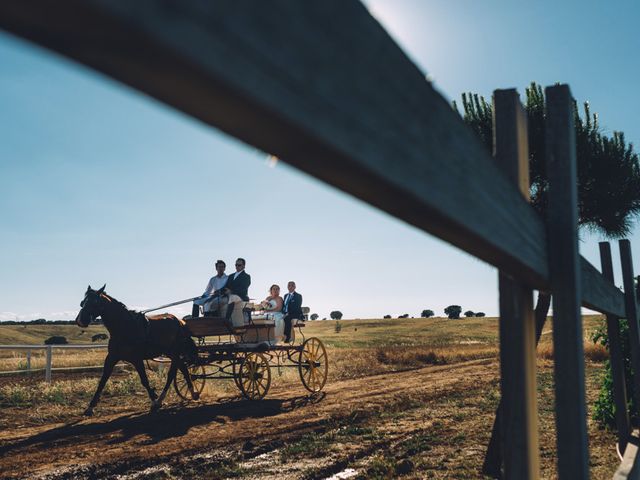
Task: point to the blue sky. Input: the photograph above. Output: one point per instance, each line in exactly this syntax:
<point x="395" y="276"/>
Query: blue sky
<point x="100" y="184"/>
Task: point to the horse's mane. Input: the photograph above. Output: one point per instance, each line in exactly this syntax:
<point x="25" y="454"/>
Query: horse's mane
<point x="121" y="305"/>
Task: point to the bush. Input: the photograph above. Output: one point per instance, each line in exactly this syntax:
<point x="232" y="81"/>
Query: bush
<point x="387" y="316"/>
<point x="469" y="313"/>
<point x="336" y="315"/>
<point x="405" y="315"/>
<point x="479" y="314"/>
<point x="99" y="336"/>
<point x="338" y="327"/>
<point x="56" y="340"/>
<point x="314" y="316"/>
<point x="604" y="409"/>
<point x="427" y="313"/>
<point x="453" y="311"/>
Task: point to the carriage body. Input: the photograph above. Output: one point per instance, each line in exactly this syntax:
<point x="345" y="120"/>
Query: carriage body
<point x="246" y="347"/>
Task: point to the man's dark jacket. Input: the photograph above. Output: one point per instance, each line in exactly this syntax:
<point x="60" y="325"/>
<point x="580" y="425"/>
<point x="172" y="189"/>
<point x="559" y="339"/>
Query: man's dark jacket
<point x="239" y="286"/>
<point x="295" y="305"/>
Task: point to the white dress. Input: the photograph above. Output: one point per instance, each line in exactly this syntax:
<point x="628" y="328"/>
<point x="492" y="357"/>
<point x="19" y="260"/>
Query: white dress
<point x="278" y="317"/>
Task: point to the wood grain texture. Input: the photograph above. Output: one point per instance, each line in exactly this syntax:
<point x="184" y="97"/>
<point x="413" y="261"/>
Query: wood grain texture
<point x="629" y="468"/>
<point x="322" y="86"/>
<point x="616" y="358"/>
<point x="632" y="312"/>
<point x="564" y="268"/>
<point x="519" y="427"/>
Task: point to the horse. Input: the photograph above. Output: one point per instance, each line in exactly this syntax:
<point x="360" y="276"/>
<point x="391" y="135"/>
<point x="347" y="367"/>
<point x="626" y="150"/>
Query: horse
<point x="134" y="338"/>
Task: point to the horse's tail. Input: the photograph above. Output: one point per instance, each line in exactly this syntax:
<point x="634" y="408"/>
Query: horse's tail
<point x="189" y="350"/>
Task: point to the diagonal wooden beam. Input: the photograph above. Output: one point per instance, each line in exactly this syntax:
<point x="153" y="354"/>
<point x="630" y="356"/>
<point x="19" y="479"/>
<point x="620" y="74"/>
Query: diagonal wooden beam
<point x="322" y="86"/>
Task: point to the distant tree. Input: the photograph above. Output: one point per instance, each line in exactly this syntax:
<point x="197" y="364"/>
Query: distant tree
<point x="324" y="318"/>
<point x="453" y="311"/>
<point x="56" y="340"/>
<point x="336" y="315"/>
<point x="427" y="313"/>
<point x="479" y="314"/>
<point x="387" y="316"/>
<point x="314" y="316"/>
<point x="404" y="315"/>
<point x="469" y="313"/>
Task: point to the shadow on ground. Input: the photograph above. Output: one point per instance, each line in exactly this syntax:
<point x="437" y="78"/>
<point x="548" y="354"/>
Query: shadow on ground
<point x="170" y="422"/>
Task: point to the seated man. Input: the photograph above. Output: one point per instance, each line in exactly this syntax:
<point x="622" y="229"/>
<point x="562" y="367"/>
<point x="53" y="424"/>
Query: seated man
<point x="292" y="309"/>
<point x="237" y="287"/>
<point x="210" y="299"/>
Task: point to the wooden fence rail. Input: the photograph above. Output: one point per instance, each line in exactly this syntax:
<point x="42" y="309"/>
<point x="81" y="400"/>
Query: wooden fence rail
<point x="323" y="86"/>
<point x="48" y="354"/>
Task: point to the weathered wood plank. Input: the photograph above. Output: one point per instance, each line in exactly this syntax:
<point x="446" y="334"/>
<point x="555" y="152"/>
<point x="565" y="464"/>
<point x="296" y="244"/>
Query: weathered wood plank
<point x="598" y="293"/>
<point x="632" y="313"/>
<point x="319" y="84"/>
<point x="322" y="86"/>
<point x="630" y="467"/>
<point x="518" y="429"/>
<point x="616" y="357"/>
<point x="564" y="268"/>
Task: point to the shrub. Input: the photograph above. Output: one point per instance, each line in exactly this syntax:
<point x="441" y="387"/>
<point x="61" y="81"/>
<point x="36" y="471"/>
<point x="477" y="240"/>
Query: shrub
<point x="469" y="313"/>
<point x="314" y="316"/>
<point x="479" y="314"/>
<point x="99" y="336"/>
<point x="404" y="315"/>
<point x="338" y="327"/>
<point x="427" y="313"/>
<point x="336" y="315"/>
<point x="56" y="340"/>
<point x="387" y="316"/>
<point x="604" y="409"/>
<point x="453" y="311"/>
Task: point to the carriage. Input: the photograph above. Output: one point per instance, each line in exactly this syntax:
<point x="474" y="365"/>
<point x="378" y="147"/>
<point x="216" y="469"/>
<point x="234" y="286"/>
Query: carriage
<point x="246" y="347"/>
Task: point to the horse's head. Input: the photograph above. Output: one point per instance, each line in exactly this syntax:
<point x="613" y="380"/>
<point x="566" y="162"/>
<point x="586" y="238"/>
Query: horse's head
<point x="91" y="306"/>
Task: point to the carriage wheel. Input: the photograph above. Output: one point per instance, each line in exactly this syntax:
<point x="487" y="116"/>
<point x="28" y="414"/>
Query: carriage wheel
<point x="254" y="376"/>
<point x="312" y="365"/>
<point x="197" y="379"/>
<point x="236" y="369"/>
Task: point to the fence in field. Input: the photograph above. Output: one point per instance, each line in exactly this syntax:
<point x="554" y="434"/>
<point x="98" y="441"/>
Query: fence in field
<point x="48" y="349"/>
<point x="322" y="86"/>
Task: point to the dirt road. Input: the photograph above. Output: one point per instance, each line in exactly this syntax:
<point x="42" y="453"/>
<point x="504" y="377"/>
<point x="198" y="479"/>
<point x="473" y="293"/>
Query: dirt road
<point x="112" y="444"/>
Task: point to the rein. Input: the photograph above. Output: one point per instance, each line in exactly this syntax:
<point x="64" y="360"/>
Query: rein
<point x="170" y="305"/>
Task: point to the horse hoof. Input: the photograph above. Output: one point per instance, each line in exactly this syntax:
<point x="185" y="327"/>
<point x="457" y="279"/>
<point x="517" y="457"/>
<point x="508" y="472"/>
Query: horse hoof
<point x="195" y="396"/>
<point x="88" y="412"/>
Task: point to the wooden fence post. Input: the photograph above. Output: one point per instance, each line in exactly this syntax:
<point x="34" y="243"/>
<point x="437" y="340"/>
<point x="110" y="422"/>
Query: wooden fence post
<point x="47" y="372"/>
<point x="518" y="418"/>
<point x="632" y="313"/>
<point x="616" y="359"/>
<point x="28" y="360"/>
<point x="564" y="272"/>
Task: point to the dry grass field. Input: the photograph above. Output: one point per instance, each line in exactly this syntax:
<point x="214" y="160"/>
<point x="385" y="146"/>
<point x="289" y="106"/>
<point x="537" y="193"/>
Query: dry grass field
<point x="410" y="398"/>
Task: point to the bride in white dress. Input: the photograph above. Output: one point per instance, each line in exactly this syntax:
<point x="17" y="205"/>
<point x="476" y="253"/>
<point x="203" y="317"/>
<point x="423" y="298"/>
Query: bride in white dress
<point x="273" y="306"/>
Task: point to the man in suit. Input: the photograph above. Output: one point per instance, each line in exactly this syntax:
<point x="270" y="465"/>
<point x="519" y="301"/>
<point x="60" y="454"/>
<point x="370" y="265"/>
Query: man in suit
<point x="237" y="286"/>
<point x="291" y="309"/>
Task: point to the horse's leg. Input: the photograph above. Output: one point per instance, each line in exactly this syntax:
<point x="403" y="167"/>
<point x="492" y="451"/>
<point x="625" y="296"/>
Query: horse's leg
<point x="142" y="373"/>
<point x="185" y="371"/>
<point x="109" y="363"/>
<point x="156" y="404"/>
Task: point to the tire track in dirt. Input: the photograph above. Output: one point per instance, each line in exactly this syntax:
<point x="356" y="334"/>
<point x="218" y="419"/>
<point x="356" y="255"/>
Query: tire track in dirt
<point x="135" y="439"/>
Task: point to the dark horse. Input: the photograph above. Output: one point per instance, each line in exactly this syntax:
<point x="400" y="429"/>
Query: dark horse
<point x="135" y="338"/>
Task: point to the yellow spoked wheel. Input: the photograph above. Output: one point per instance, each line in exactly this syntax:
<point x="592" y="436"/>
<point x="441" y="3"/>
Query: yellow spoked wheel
<point x="197" y="374"/>
<point x="313" y="365"/>
<point x="254" y="376"/>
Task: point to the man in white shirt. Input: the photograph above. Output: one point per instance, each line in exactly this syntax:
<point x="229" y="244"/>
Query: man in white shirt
<point x="210" y="299"/>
